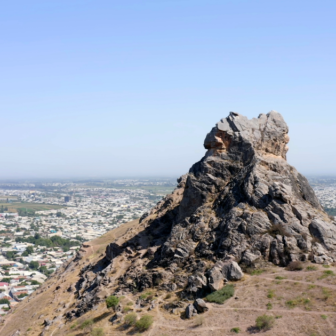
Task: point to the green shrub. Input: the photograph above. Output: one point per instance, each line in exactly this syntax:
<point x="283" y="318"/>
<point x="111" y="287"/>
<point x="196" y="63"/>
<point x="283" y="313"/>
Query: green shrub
<point x="252" y="271"/>
<point x="298" y="301"/>
<point x="329" y="272"/>
<point x="221" y="295"/>
<point x="265" y="322"/>
<point x="311" y="268"/>
<point x="235" y="330"/>
<point x="326" y="266"/>
<point x="98" y="332"/>
<point x="269" y="306"/>
<point x="291" y="303"/>
<point x="86" y="325"/>
<point x="112" y="301"/>
<point x="324" y="317"/>
<point x="127" y="309"/>
<point x="280" y="277"/>
<point x="271" y="294"/>
<point x="130" y="319"/>
<point x="146" y="295"/>
<point x="326" y="293"/>
<point x="144" y="323"/>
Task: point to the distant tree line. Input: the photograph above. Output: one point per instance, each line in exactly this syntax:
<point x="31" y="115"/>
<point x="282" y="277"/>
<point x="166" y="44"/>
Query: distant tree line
<point x="3" y="209"/>
<point x="54" y="241"/>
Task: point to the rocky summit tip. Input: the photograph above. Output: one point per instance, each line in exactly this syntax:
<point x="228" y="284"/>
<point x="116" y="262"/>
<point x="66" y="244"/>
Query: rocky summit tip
<point x="267" y="134"/>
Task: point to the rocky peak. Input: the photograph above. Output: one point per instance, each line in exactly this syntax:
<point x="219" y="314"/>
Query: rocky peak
<point x="240" y="206"/>
<point x="267" y="134"/>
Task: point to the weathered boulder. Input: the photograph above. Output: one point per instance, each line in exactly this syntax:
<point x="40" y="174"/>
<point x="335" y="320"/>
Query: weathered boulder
<point x="216" y="278"/>
<point x="196" y="282"/>
<point x="250" y="258"/>
<point x="324" y="232"/>
<point x="116" y="318"/>
<point x="71" y="288"/>
<point x="16" y="333"/>
<point x="47" y="323"/>
<point x="190" y="311"/>
<point x="200" y="306"/>
<point x="143" y="216"/>
<point x="112" y="250"/>
<point x="230" y="270"/>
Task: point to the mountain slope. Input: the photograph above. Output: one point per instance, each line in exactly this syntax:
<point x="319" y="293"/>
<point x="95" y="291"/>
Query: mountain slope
<point x="241" y="207"/>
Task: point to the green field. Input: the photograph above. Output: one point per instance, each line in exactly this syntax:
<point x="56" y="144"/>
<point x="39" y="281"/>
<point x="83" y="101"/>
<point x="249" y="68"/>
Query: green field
<point x="330" y="211"/>
<point x="153" y="189"/>
<point x="156" y="189"/>
<point x="13" y="207"/>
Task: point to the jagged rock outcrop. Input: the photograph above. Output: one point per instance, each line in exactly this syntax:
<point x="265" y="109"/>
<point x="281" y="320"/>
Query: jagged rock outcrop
<point x="242" y="204"/>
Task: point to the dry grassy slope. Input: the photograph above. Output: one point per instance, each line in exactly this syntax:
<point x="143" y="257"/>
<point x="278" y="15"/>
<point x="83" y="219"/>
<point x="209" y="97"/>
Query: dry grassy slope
<point x="50" y="303"/>
<point x="304" y="304"/>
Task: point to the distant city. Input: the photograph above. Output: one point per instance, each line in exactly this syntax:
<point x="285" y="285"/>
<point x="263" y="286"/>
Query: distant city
<point x="325" y="189"/>
<point x="43" y="224"/>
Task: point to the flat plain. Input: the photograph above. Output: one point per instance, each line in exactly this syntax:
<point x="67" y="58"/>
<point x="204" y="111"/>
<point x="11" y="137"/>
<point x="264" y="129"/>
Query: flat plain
<point x="14" y="206"/>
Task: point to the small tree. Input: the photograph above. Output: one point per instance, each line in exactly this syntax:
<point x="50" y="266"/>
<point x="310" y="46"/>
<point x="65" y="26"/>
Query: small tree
<point x="44" y="270"/>
<point x="34" y="265"/>
<point x="4" y="301"/>
<point x="22" y="295"/>
<point x="112" y="302"/>
<point x="30" y="249"/>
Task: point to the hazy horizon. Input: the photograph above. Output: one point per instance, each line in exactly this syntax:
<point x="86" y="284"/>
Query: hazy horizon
<point x="132" y="89"/>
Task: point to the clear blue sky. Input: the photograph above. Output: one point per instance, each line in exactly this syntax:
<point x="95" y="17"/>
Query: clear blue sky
<point x="130" y="88"/>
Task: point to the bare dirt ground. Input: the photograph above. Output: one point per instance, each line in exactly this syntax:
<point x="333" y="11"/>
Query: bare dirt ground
<point x="302" y="302"/>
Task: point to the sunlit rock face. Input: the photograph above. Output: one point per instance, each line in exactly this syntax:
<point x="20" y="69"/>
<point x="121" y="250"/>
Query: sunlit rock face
<point x="268" y="134"/>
